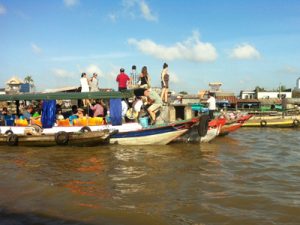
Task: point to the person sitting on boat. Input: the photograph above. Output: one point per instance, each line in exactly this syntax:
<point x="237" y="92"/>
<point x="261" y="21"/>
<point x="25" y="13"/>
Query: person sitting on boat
<point x="59" y="115"/>
<point x="3" y="114"/>
<point x="154" y="102"/>
<point x="73" y="115"/>
<point x="97" y="108"/>
<point x="27" y="114"/>
<point x="134" y="112"/>
<point x="80" y="113"/>
<point x="124" y="108"/>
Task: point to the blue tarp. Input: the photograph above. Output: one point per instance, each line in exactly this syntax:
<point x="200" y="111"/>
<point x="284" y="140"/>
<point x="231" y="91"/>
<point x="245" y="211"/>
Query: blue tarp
<point x="115" y="108"/>
<point x="48" y="113"/>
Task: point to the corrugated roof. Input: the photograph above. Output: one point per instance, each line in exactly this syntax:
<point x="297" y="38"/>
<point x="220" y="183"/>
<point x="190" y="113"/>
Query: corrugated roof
<point x="269" y="101"/>
<point x="231" y="99"/>
<point x="248" y="100"/>
<point x="14" y="80"/>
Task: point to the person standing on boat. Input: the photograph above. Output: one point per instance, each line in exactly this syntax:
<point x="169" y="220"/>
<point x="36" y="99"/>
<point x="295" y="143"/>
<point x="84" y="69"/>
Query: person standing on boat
<point x="84" y="86"/>
<point x="144" y="78"/>
<point x="133" y="77"/>
<point x="165" y="83"/>
<point x="211" y="105"/>
<point x="94" y="83"/>
<point x="123" y="80"/>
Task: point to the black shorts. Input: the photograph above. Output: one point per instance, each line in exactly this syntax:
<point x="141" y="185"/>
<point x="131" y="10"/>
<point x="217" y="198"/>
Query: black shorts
<point x="165" y="86"/>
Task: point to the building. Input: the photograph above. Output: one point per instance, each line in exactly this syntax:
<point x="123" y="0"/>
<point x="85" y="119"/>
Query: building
<point x="247" y="95"/>
<point x="273" y="94"/>
<point x="2" y="91"/>
<point x="13" y="85"/>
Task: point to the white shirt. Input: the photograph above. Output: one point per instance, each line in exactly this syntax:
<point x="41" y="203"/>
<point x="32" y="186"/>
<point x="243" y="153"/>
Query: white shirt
<point x="138" y="105"/>
<point x="211" y="103"/>
<point x="124" y="108"/>
<point x="84" y="84"/>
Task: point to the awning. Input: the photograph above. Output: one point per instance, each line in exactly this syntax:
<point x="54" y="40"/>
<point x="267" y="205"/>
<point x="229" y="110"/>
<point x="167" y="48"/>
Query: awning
<point x="67" y="95"/>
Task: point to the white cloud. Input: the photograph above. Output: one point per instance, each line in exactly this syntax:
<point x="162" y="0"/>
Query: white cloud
<point x="63" y="73"/>
<point x="291" y="70"/>
<point x="112" y="17"/>
<point x="36" y="49"/>
<point x="191" y="49"/>
<point x="174" y="78"/>
<point x="245" y="51"/>
<point x="2" y="9"/>
<point x="71" y="3"/>
<point x="133" y="7"/>
<point x="93" y="68"/>
<point x="112" y="55"/>
<point x="146" y="12"/>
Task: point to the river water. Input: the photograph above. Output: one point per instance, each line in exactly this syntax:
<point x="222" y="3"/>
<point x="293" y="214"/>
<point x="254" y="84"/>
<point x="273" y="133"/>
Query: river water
<point x="250" y="177"/>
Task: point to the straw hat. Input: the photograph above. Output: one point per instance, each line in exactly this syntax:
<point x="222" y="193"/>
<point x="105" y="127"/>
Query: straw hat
<point x="131" y="114"/>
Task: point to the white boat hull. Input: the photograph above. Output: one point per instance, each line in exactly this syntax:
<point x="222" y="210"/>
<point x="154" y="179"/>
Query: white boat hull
<point x="155" y="139"/>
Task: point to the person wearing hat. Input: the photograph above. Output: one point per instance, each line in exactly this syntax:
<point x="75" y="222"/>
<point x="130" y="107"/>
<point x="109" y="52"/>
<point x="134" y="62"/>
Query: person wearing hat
<point x="94" y="83"/>
<point x="178" y="100"/>
<point x="123" y="80"/>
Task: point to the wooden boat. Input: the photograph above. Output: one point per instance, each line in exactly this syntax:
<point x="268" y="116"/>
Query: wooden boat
<point x="229" y="127"/>
<point x="128" y="133"/>
<point x="270" y="122"/>
<point x="60" y="138"/>
<point x="206" y="131"/>
<point x="154" y="135"/>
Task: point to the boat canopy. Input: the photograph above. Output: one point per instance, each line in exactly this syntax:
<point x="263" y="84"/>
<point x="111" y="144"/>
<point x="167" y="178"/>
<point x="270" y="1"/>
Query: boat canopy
<point x="67" y="95"/>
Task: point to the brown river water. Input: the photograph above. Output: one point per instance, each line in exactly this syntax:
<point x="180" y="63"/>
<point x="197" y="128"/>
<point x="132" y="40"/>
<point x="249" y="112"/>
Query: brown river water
<point x="250" y="177"/>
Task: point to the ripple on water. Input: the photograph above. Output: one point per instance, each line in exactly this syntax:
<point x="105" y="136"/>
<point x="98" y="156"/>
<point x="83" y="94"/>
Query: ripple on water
<point x="248" y="177"/>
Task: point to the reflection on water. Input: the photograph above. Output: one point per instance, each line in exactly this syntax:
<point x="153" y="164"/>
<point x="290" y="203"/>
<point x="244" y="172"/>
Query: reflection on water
<point x="249" y="177"/>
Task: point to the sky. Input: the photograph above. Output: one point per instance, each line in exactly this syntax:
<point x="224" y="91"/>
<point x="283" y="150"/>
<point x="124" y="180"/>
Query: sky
<point x="242" y="44"/>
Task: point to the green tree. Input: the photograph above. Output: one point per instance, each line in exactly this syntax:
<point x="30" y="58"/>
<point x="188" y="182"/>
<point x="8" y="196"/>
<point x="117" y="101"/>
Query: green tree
<point x="258" y="88"/>
<point x="28" y="80"/>
<point x="282" y="88"/>
<point x="183" y="93"/>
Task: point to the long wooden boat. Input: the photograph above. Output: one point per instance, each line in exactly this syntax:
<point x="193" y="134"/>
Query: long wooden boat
<point x="61" y="138"/>
<point x="204" y="132"/>
<point x="154" y="135"/>
<point x="229" y="127"/>
<point x="128" y="133"/>
<point x="279" y="123"/>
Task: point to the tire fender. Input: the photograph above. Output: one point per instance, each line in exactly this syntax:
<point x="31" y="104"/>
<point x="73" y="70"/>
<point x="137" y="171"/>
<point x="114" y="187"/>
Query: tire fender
<point x="8" y="132"/>
<point x="203" y="125"/>
<point x="85" y="129"/>
<point x="263" y="123"/>
<point x="61" y="138"/>
<point x="12" y="139"/>
<point x="296" y="123"/>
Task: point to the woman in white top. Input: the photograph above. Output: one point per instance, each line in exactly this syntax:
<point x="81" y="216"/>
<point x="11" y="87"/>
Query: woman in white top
<point x="84" y="86"/>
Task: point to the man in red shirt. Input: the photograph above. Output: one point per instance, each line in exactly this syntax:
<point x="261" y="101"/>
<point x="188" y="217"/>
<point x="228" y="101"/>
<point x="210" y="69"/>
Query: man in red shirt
<point x="123" y="80"/>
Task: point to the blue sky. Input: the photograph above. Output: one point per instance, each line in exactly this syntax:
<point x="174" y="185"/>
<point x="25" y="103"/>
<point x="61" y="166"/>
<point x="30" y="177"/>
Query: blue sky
<point x="239" y="43"/>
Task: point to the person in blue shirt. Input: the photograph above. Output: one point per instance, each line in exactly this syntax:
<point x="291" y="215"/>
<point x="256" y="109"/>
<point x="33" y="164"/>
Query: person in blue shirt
<point x="27" y="114"/>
